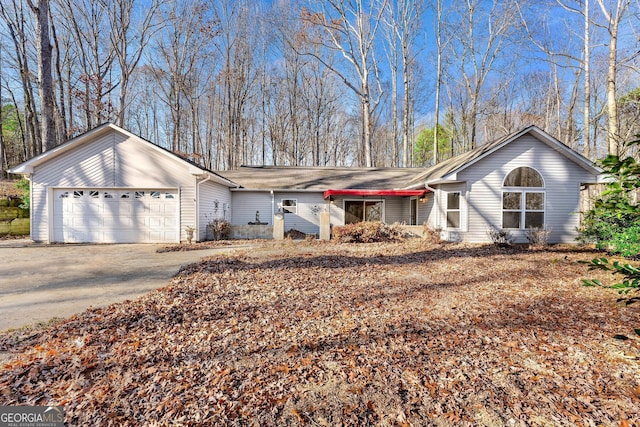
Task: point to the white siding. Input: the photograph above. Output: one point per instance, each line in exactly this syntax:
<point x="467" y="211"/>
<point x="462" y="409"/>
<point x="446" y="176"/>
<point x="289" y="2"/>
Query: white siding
<point x="562" y="186"/>
<point x="394" y="209"/>
<point x="307" y="219"/>
<point x="88" y="165"/>
<point x="112" y="160"/>
<point x="425" y="210"/>
<point x="438" y="214"/>
<point x="39" y="213"/>
<point x="140" y="165"/>
<point x="309" y="206"/>
<point x="244" y="205"/>
<point x="211" y="194"/>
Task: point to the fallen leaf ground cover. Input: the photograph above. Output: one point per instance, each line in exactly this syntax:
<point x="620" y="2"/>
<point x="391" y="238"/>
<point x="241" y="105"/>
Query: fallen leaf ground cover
<point x="327" y="334"/>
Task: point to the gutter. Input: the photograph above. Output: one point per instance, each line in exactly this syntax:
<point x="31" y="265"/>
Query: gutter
<point x="283" y="190"/>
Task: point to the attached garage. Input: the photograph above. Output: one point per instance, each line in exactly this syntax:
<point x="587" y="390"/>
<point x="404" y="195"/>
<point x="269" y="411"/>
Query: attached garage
<point x="119" y="215"/>
<point x="111" y="186"/>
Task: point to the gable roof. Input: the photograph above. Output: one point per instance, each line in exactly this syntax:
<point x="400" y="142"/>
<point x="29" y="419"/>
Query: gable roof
<point x="27" y="167"/>
<point x="447" y="169"/>
<point x="319" y="178"/>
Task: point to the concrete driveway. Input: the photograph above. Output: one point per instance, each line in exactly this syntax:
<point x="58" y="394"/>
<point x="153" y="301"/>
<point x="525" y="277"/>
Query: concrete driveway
<point x="39" y="282"/>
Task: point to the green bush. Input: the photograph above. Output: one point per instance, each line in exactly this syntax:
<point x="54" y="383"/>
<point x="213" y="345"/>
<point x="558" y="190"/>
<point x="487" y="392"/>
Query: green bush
<point x="613" y="222"/>
<point x="23" y="184"/>
<point x="599" y="226"/>
<point x="625" y="242"/>
<point x="368" y="232"/>
<point x="629" y="273"/>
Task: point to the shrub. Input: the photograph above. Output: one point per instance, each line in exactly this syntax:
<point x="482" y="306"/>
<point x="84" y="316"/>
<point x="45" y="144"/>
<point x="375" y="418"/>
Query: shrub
<point x="295" y="234"/>
<point x="615" y="212"/>
<point x="220" y="229"/>
<point x="618" y="209"/>
<point x="431" y="235"/>
<point x="629" y="273"/>
<point x="625" y="242"/>
<point x="23" y="184"/>
<point x="599" y="226"/>
<point x="500" y="237"/>
<point x="368" y="232"/>
<point x="538" y="236"/>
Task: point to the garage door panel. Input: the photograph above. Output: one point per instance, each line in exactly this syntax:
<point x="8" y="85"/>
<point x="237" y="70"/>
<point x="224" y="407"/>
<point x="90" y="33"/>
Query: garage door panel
<point x="115" y="216"/>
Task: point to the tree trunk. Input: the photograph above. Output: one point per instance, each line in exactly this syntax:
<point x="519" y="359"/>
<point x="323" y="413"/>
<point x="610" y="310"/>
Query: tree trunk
<point x="61" y="122"/>
<point x="587" y="85"/>
<point x="366" y="125"/>
<point x="614" y="17"/>
<point x="3" y="155"/>
<point x="48" y="126"/>
<point x="613" y="133"/>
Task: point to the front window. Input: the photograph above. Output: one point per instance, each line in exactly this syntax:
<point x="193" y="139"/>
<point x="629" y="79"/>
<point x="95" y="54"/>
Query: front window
<point x="524" y="177"/>
<point x="289" y="206"/>
<point x="523" y="207"/>
<point x="453" y="209"/>
<point x="362" y="210"/>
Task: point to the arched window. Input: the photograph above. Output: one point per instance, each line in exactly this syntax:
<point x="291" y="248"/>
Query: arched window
<point x="522" y="209"/>
<point x="524" y="177"/>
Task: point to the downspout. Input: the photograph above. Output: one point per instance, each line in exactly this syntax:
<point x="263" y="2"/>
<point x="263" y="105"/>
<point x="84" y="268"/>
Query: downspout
<point x="433" y="190"/>
<point x="436" y="204"/>
<point x="273" y="207"/>
<point x="198" y="206"/>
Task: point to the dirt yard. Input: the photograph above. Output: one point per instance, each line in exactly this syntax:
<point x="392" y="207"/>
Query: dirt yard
<point x="322" y="334"/>
<point x="8" y="189"/>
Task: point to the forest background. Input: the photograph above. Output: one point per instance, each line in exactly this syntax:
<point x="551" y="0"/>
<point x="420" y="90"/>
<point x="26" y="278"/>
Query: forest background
<point x="376" y="83"/>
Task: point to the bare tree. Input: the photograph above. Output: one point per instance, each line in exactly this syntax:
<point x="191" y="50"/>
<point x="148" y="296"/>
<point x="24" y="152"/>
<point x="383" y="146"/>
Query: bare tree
<point x="180" y="49"/>
<point x="478" y="51"/>
<point x="613" y="13"/>
<point x="239" y="75"/>
<point x="129" y="40"/>
<point x="560" y="56"/>
<point x="3" y="153"/>
<point x="16" y="22"/>
<point x="48" y="125"/>
<point x="586" y="56"/>
<point x="61" y="111"/>
<point x="350" y="28"/>
<point x="88" y="22"/>
<point x="441" y="42"/>
<point x="409" y="13"/>
<point x="392" y="53"/>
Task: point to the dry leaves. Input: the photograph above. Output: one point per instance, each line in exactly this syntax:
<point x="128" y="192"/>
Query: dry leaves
<point x="326" y="334"/>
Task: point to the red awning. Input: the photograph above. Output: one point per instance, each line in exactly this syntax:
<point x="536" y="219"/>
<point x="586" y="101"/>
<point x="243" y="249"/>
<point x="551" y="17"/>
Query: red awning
<point x="392" y="193"/>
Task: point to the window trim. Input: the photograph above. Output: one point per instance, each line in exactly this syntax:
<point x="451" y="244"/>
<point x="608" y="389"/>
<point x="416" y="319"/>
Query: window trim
<point x="523" y="199"/>
<point x="523" y="206"/>
<point x="289" y="209"/>
<point x="544" y="185"/>
<point x="458" y="210"/>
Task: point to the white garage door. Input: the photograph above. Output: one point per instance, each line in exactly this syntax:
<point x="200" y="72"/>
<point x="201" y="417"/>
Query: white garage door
<point x="115" y="216"/>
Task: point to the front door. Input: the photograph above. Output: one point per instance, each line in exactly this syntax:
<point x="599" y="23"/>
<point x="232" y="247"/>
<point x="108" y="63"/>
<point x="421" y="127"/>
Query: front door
<point x="363" y="210"/>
